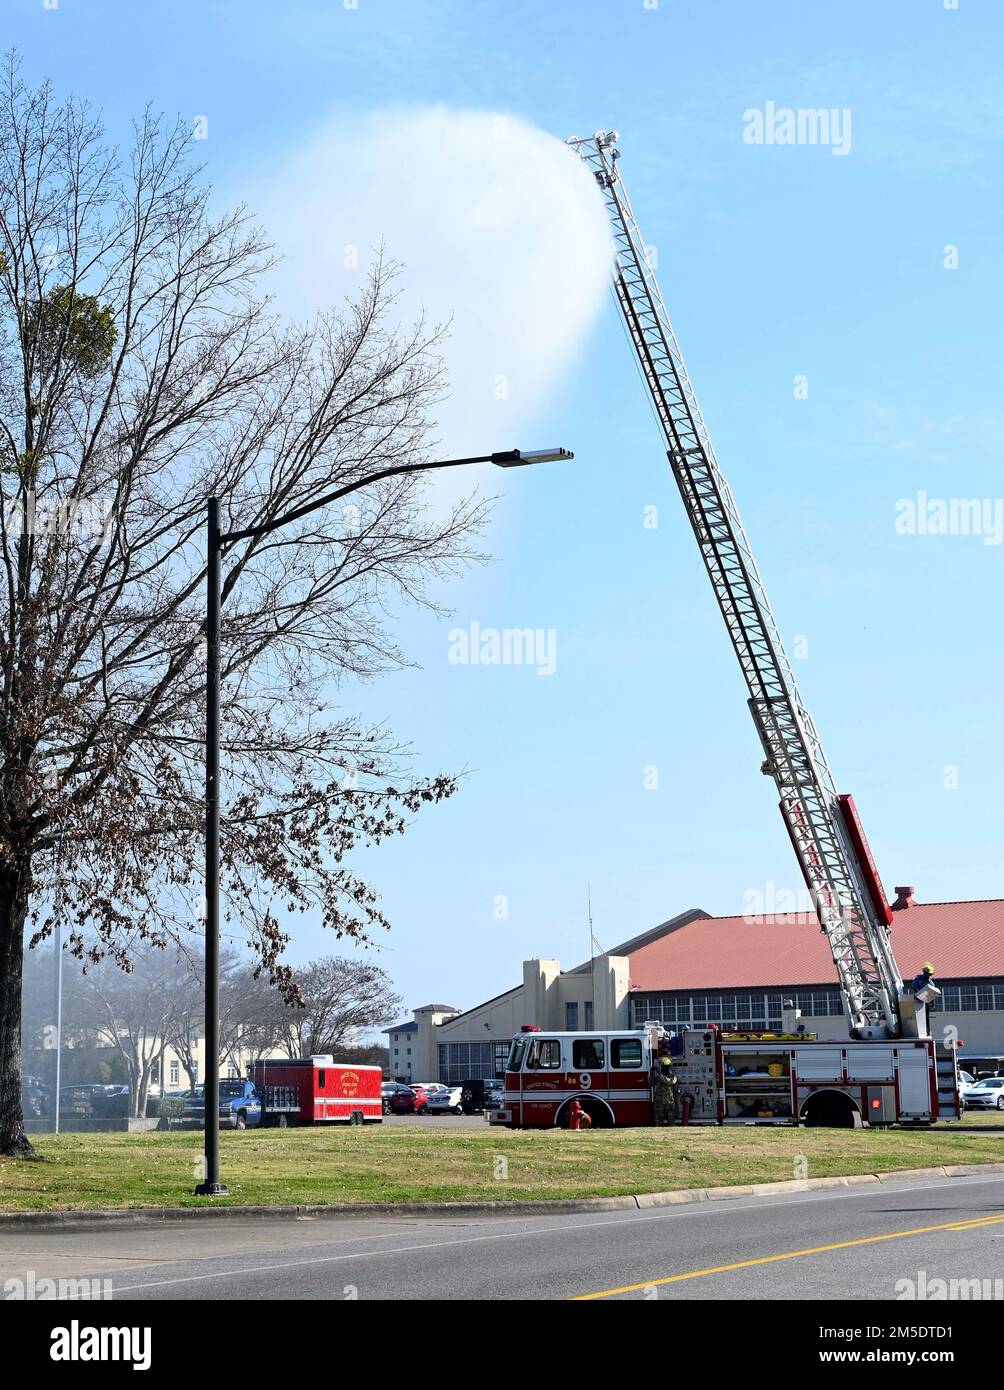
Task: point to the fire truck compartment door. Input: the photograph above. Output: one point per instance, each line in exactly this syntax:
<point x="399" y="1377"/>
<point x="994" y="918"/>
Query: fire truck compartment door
<point x="869" y="1063"/>
<point x="819" y="1063"/>
<point x="914" y="1081"/>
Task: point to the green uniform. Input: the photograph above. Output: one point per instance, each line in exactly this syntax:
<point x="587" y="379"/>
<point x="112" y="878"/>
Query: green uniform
<point x="663" y="1095"/>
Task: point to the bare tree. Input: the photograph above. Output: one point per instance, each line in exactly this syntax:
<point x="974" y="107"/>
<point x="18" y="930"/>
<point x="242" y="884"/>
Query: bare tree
<point x="342" y="1000"/>
<point x="133" y="1011"/>
<point x="141" y="371"/>
<point x="254" y="1018"/>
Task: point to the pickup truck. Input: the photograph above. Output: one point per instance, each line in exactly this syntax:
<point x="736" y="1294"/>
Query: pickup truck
<point x="240" y="1105"/>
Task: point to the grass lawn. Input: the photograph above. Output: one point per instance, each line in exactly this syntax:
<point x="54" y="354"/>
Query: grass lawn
<point x="408" y="1163"/>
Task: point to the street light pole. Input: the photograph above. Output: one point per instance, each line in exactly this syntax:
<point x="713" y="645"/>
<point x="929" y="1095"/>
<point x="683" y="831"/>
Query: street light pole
<point x="211" y="1186"/>
<point x="216" y="541"/>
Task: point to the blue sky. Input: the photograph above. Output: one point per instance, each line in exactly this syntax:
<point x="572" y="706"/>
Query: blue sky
<point x="775" y="262"/>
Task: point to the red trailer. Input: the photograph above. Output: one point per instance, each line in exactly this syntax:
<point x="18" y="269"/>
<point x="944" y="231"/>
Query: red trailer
<point x="328" y="1091"/>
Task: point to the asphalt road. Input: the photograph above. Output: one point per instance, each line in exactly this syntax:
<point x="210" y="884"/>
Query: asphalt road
<point x="848" y="1244"/>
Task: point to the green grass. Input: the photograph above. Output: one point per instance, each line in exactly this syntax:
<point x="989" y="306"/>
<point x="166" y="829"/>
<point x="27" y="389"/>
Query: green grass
<point x="411" y="1163"/>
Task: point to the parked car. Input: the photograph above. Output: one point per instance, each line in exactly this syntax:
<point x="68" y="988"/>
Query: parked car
<point x="965" y="1079"/>
<point x="411" y="1100"/>
<point x="111" y="1102"/>
<point x="985" y="1095"/>
<point x="477" y="1095"/>
<point x="36" y="1098"/>
<point x="388" y="1091"/>
<point x="446" y="1100"/>
<point x="78" y="1100"/>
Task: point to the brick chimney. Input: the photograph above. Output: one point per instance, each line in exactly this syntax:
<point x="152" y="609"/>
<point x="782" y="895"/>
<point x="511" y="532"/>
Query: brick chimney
<point x="904" y="898"/>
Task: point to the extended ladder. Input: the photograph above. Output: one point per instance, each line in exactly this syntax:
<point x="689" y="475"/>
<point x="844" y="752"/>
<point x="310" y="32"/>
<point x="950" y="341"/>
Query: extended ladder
<point x="823" y="826"/>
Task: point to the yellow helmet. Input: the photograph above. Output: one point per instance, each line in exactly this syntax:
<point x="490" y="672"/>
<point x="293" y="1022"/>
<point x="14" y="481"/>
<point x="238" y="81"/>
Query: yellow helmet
<point x="927" y="968"/>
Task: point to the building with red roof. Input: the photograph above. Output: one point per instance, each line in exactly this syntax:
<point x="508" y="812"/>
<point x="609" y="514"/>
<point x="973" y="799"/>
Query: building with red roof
<point x="698" y="969"/>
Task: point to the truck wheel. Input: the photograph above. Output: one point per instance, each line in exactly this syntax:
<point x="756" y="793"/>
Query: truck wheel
<point x="458" y="1110"/>
<point x="356" y="1118"/>
<point x="281" y="1122"/>
<point x="241" y="1120"/>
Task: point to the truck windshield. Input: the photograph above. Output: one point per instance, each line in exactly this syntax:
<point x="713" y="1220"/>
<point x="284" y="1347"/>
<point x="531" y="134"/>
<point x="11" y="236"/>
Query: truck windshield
<point x="515" y="1059"/>
<point x="231" y="1088"/>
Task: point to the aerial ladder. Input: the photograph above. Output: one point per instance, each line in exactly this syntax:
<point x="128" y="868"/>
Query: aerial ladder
<point x="823" y="824"/>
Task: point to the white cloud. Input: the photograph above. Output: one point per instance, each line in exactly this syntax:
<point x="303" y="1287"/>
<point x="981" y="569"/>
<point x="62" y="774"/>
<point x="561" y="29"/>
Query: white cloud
<point x="500" y="228"/>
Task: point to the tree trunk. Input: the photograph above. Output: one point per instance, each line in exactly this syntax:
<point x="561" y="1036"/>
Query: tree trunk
<point x="14" y="1142"/>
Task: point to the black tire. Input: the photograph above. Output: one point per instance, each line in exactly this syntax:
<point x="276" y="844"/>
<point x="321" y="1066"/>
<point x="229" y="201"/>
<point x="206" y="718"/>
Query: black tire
<point x="240" y="1120"/>
<point x="281" y="1122"/>
<point x="423" y="1110"/>
<point x="830" y="1110"/>
<point x="1000" y="1102"/>
<point x="356" y="1118"/>
<point x="385" y="1107"/>
<point x="458" y="1110"/>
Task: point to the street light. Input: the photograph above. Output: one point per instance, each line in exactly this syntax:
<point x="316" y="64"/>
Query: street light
<point x="216" y="543"/>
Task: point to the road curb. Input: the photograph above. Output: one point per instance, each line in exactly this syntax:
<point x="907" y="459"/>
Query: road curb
<point x="141" y="1216"/>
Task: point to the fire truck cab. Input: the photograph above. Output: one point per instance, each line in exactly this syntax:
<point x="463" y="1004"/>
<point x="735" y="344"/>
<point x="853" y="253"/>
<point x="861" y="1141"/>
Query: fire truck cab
<point x="607" y="1073"/>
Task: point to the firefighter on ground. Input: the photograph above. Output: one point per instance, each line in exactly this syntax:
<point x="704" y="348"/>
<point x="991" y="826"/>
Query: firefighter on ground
<point x="664" y="1083"/>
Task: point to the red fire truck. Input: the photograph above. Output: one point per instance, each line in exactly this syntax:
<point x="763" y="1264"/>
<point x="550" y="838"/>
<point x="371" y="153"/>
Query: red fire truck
<point x="314" y="1090"/>
<point x="727" y="1078"/>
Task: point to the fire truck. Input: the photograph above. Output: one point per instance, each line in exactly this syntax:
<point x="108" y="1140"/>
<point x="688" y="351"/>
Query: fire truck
<point x="726" y="1078"/>
<point x="889" y="1070"/>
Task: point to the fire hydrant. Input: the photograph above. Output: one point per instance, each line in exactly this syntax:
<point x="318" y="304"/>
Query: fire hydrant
<point x="575" y="1113"/>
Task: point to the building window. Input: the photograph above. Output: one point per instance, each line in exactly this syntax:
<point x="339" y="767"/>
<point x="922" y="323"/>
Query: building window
<point x="748" y="1010"/>
<point x="471" y="1061"/>
<point x="571" y="1018"/>
<point x="175" y="1073"/>
<point x="587" y="1013"/>
<point x="233" y="1072"/>
<point x="970" y="998"/>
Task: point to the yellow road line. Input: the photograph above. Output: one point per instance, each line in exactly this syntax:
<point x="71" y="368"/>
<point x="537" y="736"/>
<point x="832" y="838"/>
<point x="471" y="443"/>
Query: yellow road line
<point x="969" y="1225"/>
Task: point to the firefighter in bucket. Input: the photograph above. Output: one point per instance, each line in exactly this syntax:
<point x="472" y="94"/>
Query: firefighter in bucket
<point x="664" y="1083"/>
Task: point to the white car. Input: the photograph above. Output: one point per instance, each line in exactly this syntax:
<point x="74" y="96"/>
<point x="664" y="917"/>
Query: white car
<point x="985" y="1095"/>
<point x="446" y="1100"/>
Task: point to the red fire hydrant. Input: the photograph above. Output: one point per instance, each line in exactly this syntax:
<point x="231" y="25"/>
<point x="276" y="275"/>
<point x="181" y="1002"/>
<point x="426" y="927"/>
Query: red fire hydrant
<point x="575" y="1113"/>
<point x="688" y="1105"/>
